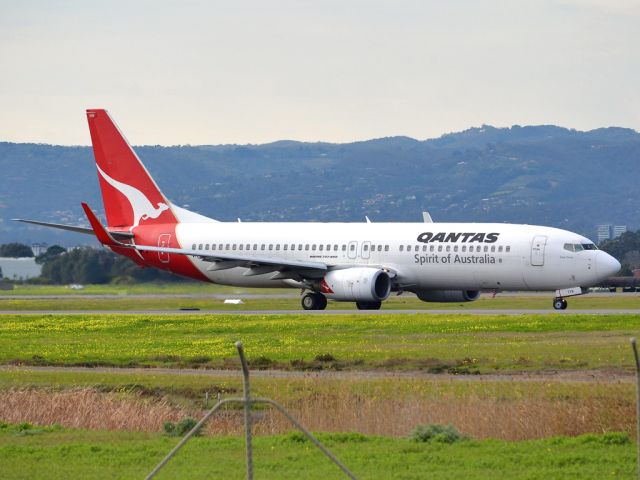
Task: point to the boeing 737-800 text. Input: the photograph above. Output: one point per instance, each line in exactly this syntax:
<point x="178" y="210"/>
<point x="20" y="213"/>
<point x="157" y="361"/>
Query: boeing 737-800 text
<point x="349" y="262"/>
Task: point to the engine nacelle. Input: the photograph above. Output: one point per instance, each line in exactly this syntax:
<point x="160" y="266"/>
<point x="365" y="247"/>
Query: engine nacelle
<point x="445" y="296"/>
<point x="358" y="284"/>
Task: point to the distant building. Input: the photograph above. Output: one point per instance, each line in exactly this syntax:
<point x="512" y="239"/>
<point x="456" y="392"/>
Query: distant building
<point x="38" y="248"/>
<point x="603" y="232"/>
<point x="618" y="230"/>
<point x="608" y="231"/>
<point x="19" y="268"/>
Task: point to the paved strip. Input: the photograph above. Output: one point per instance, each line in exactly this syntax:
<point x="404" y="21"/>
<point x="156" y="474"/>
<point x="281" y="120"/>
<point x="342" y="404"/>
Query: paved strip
<point x="555" y="375"/>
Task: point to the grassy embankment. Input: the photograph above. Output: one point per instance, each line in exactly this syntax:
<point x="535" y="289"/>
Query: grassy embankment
<point x="444" y="343"/>
<point x="62" y="454"/>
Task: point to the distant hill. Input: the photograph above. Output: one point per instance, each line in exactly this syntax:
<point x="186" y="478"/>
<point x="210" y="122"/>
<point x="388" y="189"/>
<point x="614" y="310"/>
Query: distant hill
<point x="538" y="175"/>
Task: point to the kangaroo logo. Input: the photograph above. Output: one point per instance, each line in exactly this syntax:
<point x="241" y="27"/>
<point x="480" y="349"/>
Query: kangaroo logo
<point x="143" y="209"/>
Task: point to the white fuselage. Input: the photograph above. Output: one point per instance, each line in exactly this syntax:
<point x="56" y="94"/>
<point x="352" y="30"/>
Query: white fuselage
<point x="515" y="257"/>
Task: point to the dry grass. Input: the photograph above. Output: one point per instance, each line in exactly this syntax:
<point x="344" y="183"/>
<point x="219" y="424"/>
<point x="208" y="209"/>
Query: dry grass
<point x="341" y="411"/>
<point x="85" y="408"/>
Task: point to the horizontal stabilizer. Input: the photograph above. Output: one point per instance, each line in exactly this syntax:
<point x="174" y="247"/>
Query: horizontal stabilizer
<point x="73" y="228"/>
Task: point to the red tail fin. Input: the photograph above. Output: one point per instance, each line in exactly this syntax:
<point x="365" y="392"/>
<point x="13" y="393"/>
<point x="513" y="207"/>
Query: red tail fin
<point x="129" y="193"/>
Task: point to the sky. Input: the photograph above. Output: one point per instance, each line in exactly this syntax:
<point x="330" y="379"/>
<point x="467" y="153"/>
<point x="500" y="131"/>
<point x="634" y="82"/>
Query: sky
<point x="214" y="72"/>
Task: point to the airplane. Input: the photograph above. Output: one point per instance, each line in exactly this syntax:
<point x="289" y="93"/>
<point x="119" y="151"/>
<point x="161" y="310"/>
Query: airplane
<point x="345" y="262"/>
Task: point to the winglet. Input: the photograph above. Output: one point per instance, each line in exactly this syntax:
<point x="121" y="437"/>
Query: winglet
<point x="103" y="236"/>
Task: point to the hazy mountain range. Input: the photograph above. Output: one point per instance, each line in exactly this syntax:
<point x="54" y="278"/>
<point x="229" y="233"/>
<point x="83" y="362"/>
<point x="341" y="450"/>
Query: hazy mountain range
<point x="538" y="175"/>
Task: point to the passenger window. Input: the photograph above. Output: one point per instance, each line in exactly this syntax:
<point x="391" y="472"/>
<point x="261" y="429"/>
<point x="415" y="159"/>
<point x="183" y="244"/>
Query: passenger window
<point x="401" y="248"/>
<point x="335" y="247"/>
<point x="486" y="248"/>
<point x="278" y="247"/>
<point x="300" y="247"/>
<point x="328" y="247"/>
<point x="213" y="246"/>
<point x="193" y="247"/>
<point x="234" y="246"/>
<point x="262" y="247"/>
<point x="320" y="247"/>
<point x="220" y="247"/>
<point x="255" y="246"/>
<point x="439" y="248"/>
<point x="365" y="248"/>
<point x="271" y="246"/>
<point x="448" y="248"/>
<point x="306" y="247"/>
<point x="431" y="248"/>
<point x="293" y="246"/>
<point x="464" y="248"/>
<point x="507" y="248"/>
<point x="500" y="248"/>
<point x="313" y="247"/>
<point x="493" y="248"/>
<point x="471" y="248"/>
<point x="241" y="246"/>
<point x="248" y="246"/>
<point x="379" y="248"/>
<point x="386" y="248"/>
<point x="352" y="247"/>
<point x="228" y="246"/>
<point x="200" y="247"/>
<point x="285" y="247"/>
<point x="455" y="248"/>
<point x="206" y="246"/>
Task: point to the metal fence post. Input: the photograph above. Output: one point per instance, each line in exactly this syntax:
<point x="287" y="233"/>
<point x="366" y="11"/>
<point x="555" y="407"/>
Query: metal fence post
<point x="247" y="410"/>
<point x="637" y="361"/>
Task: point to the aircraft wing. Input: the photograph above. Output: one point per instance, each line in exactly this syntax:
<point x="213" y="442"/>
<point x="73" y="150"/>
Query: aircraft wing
<point x="282" y="269"/>
<point x="256" y="265"/>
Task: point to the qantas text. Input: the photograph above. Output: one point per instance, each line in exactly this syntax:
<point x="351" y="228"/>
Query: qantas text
<point x="468" y="237"/>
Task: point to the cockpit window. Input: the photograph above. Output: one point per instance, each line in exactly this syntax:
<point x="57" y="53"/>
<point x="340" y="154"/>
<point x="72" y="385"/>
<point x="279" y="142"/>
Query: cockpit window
<point x="578" y="247"/>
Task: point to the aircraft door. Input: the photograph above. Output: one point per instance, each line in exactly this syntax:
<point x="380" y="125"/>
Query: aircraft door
<point x="164" y="241"/>
<point x="352" y="250"/>
<point x="537" y="250"/>
<point x="366" y="249"/>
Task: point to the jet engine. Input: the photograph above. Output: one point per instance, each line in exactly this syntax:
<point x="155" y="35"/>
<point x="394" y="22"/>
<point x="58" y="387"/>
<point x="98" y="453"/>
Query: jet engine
<point x="445" y="296"/>
<point x="358" y="284"/>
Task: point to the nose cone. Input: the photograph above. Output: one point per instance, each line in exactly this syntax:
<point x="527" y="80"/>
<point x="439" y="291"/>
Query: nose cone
<point x="606" y="265"/>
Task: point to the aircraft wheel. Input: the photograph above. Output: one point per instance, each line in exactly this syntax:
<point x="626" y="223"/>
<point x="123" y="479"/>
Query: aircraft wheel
<point x="314" y="301"/>
<point x="368" y="305"/>
<point x="564" y="304"/>
<point x="559" y="303"/>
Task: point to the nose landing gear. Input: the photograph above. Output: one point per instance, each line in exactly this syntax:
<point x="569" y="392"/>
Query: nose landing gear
<point x="560" y="304"/>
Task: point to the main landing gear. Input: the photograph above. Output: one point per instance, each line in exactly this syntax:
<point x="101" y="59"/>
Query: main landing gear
<point x="368" y="305"/>
<point x="314" y="301"/>
<point x="559" y="303"/>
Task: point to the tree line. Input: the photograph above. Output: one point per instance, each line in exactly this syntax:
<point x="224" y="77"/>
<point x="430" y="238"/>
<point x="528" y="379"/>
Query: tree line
<point x="86" y="265"/>
<point x="626" y="248"/>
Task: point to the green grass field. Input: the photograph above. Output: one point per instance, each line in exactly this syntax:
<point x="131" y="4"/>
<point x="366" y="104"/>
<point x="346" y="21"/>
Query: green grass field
<point x="61" y="454"/>
<point x="456" y="343"/>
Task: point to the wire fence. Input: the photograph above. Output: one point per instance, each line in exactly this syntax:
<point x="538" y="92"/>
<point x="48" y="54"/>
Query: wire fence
<point x="247" y="401"/>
